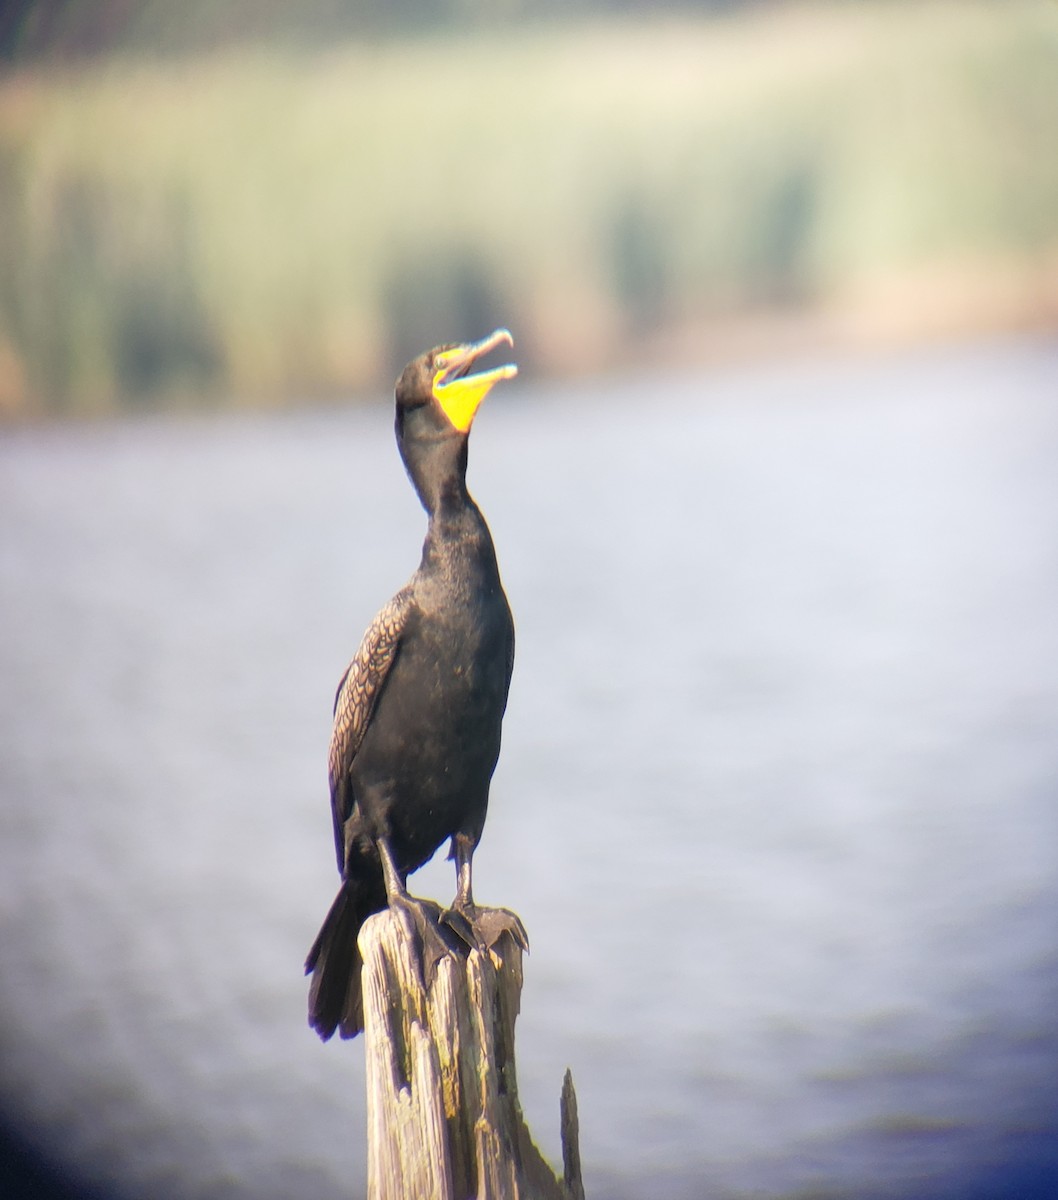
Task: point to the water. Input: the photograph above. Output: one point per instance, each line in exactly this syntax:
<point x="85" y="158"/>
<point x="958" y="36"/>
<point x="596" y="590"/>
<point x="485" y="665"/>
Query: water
<point x="777" y="799"/>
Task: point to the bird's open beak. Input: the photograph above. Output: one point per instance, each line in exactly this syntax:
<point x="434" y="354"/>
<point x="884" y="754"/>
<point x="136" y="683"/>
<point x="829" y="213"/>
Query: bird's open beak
<point x="460" y="394"/>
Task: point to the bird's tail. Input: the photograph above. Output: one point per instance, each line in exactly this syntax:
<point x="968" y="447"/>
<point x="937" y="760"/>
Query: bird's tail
<point x="335" y="999"/>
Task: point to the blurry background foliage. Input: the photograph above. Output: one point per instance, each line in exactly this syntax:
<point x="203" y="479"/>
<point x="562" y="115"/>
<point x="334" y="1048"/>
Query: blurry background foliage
<point x="252" y="203"/>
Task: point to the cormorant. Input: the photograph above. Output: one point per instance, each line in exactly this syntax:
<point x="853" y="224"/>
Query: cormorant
<point x="417" y="713"/>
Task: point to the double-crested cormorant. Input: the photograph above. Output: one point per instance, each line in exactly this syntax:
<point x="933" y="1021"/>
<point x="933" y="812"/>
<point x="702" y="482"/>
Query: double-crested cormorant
<point x="417" y="714"/>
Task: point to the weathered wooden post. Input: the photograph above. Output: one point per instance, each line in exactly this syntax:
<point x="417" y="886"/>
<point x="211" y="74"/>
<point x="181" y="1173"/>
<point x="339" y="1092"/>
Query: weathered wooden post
<point x="444" y="1120"/>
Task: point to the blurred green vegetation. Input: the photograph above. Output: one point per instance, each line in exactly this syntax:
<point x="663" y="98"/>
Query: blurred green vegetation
<point x="268" y="223"/>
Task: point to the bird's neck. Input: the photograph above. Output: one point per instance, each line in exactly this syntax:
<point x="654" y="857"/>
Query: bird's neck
<point x="456" y="530"/>
<point x="437" y="466"/>
<point x="457" y="538"/>
<point x="454" y="515"/>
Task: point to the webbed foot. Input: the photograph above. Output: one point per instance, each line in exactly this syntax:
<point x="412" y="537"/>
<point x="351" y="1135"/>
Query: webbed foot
<point x="481" y="928"/>
<point x="461" y="923"/>
<point x="434" y="938"/>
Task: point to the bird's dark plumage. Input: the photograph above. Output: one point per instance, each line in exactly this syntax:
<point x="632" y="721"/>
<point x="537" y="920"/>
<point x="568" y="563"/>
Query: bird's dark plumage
<point x="417" y="714"/>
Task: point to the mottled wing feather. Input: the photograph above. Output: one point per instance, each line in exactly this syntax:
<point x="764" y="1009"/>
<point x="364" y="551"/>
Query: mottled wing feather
<point x="354" y="703"/>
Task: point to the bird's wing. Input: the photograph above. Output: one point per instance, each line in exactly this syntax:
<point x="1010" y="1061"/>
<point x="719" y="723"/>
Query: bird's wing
<point x="354" y="703"/>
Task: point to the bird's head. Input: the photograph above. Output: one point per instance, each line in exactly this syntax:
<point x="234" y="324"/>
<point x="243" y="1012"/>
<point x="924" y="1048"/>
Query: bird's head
<point x="439" y="386"/>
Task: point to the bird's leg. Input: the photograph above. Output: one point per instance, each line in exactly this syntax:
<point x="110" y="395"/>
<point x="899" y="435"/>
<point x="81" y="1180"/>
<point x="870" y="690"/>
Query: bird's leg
<point x="461" y="916"/>
<point x="395" y="889"/>
<point x="433" y="944"/>
<point x="485" y="924"/>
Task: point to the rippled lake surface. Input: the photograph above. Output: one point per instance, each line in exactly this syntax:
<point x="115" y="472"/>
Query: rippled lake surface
<point x="778" y="799"/>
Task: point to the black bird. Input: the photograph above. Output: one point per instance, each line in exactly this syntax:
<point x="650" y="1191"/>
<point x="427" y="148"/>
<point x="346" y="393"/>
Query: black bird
<point x="417" y="714"/>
